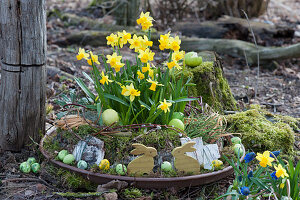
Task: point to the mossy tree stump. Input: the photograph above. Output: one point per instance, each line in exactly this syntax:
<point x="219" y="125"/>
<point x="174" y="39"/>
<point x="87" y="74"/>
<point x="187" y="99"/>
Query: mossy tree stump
<point x="211" y="85"/>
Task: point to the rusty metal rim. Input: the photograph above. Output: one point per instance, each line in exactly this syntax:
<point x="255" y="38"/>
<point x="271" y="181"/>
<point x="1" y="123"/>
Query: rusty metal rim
<point x="144" y="182"/>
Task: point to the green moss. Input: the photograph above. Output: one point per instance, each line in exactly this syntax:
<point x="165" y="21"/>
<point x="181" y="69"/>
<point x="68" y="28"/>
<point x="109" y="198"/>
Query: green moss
<point x="259" y="133"/>
<point x="211" y="85"/>
<point x="69" y="179"/>
<point x="132" y="193"/>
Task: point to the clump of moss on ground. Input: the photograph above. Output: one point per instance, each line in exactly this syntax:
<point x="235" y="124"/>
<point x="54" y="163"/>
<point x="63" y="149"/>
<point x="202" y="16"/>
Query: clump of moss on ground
<point x="260" y="133"/>
<point x="211" y="85"/>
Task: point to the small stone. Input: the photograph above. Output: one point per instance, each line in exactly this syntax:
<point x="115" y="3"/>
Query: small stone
<point x="110" y="196"/>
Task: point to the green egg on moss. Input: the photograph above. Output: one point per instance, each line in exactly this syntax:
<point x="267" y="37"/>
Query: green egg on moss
<point x="166" y="166"/>
<point x="236" y="140"/>
<point x="110" y="116"/>
<point x="192" y="59"/>
<point x="25" y="167"/>
<point x="121" y="169"/>
<point x="68" y="159"/>
<point x="177" y="123"/>
<point x="238" y="150"/>
<point x="35" y="167"/>
<point x="82" y="164"/>
<point x="31" y="160"/>
<point x="178" y="115"/>
<point x="62" y="154"/>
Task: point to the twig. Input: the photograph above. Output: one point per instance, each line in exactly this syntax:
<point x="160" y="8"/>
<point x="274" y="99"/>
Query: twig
<point x="30" y="180"/>
<point x="257" y="50"/>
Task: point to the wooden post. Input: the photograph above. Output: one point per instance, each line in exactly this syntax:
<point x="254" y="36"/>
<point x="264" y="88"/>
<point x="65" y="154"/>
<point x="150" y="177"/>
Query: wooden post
<point x="23" y="77"/>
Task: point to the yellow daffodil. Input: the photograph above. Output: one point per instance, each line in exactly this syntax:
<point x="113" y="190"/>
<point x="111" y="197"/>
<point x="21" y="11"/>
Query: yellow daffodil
<point x="175" y="43"/>
<point x="280" y="171"/>
<point x="113" y="59"/>
<point x="123" y="38"/>
<point x="94" y="58"/>
<point x="265" y="159"/>
<point x="178" y="55"/>
<point x="130" y="91"/>
<point x="112" y="40"/>
<point x="146" y="55"/>
<point x="153" y="84"/>
<point x="165" y="106"/>
<point x="172" y="64"/>
<point x="105" y="79"/>
<point x="140" y="75"/>
<point x="281" y="185"/>
<point x="164" y="41"/>
<point x="118" y="66"/>
<point x="123" y="89"/>
<point x="135" y="42"/>
<point x="145" y="43"/>
<point x="145" y="20"/>
<point x="147" y="68"/>
<point x="82" y="54"/>
<point x="151" y="73"/>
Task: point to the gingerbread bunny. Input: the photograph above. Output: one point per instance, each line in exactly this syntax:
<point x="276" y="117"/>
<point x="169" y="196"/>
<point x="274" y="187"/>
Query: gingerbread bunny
<point x="183" y="162"/>
<point x="144" y="163"/>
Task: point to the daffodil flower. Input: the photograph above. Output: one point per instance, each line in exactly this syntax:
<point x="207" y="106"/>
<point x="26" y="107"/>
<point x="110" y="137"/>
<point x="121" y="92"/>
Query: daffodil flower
<point x="130" y="91"/>
<point x="145" y="69"/>
<point x="280" y="171"/>
<point x="178" y="55"/>
<point x="164" y="41"/>
<point x="113" y="59"/>
<point x="135" y="42"/>
<point x="265" y="159"/>
<point x="154" y="84"/>
<point x="105" y="79"/>
<point x="94" y="58"/>
<point x="175" y="43"/>
<point x="141" y="76"/>
<point x="146" y="55"/>
<point x="112" y="40"/>
<point x="82" y="54"/>
<point x="172" y="64"/>
<point x="123" y="38"/>
<point x="118" y="66"/>
<point x="165" y="106"/>
<point x="145" y="20"/>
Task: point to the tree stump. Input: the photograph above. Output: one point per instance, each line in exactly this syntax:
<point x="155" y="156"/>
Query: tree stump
<point x="23" y="77"/>
<point x="211" y="85"/>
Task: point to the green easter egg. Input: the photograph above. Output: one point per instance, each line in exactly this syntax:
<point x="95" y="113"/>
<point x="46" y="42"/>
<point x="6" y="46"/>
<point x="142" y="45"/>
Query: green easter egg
<point x="82" y="164"/>
<point x="68" y="159"/>
<point x="110" y="116"/>
<point x="192" y="59"/>
<point x="166" y="166"/>
<point x="238" y="150"/>
<point x="178" y="115"/>
<point x="31" y="160"/>
<point x="236" y="140"/>
<point x="35" y="167"/>
<point x="25" y="167"/>
<point x="121" y="169"/>
<point x="62" y="154"/>
<point x="177" y="123"/>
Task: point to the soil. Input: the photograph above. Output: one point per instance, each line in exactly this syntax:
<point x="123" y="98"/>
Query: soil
<point x="277" y="89"/>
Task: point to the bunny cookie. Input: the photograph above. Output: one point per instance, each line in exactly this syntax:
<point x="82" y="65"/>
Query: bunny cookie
<point x="144" y="163"/>
<point x="183" y="162"/>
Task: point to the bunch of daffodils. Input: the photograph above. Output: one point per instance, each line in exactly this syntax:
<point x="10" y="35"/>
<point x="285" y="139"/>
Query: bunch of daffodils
<point x="143" y="92"/>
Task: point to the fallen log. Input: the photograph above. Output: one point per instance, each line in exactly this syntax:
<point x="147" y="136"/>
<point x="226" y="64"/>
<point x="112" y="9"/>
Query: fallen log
<point x="235" y="48"/>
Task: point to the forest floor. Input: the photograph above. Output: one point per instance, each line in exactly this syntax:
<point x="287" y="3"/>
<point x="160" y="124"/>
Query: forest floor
<point x="278" y="89"/>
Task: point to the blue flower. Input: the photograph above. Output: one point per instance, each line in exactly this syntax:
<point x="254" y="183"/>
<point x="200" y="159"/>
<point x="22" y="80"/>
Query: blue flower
<point x="249" y="157"/>
<point x="250" y="175"/>
<point x="276" y="153"/>
<point x="273" y="175"/>
<point x="244" y="191"/>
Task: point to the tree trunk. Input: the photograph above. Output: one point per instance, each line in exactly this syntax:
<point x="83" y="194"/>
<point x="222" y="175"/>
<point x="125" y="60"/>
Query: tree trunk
<point x="23" y="58"/>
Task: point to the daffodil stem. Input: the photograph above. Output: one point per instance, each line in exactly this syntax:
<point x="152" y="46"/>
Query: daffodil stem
<point x="149" y="34"/>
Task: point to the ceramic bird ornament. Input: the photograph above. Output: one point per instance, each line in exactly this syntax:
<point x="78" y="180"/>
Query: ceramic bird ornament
<point x="143" y="164"/>
<point x="183" y="162"/>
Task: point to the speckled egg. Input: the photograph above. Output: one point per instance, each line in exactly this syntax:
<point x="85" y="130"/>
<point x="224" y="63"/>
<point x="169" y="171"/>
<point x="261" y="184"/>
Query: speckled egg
<point x="25" y="167"/>
<point x="104" y="164"/>
<point x="82" y="164"/>
<point x="121" y="169"/>
<point x="35" y="167"/>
